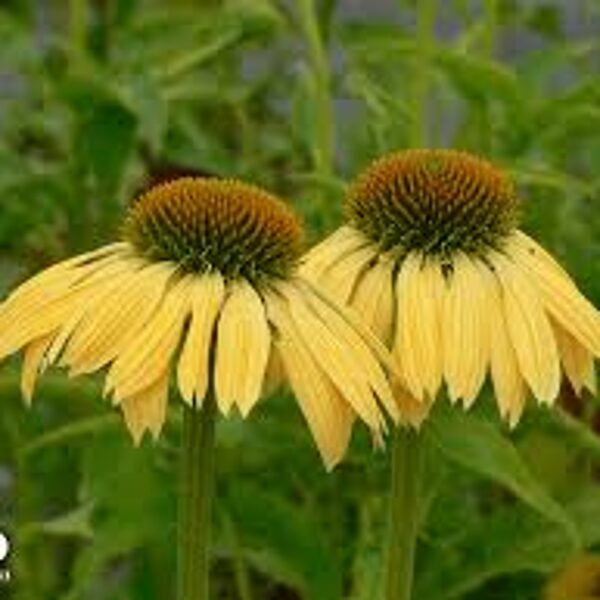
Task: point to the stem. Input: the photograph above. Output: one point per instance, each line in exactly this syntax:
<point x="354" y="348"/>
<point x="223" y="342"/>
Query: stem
<point x="404" y="512"/>
<point x="324" y="143"/>
<point x="491" y="25"/>
<point x="240" y="571"/>
<point x="425" y="38"/>
<point x="195" y="502"/>
<point x="78" y="16"/>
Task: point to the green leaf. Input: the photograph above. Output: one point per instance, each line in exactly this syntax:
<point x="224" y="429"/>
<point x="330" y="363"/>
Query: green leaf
<point x="573" y="431"/>
<point x="281" y="540"/>
<point x="478" y="445"/>
<point x="134" y="507"/>
<point x="479" y="78"/>
<point x="105" y="141"/>
<point x="75" y="523"/>
<point x="510" y="541"/>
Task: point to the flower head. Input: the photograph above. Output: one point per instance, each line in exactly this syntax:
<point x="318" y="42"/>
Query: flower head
<point x="205" y="279"/>
<point x="433" y="260"/>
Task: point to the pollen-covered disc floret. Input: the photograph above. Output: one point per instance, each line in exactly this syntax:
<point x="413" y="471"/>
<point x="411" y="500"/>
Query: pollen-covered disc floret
<point x="435" y="201"/>
<point x="226" y="225"/>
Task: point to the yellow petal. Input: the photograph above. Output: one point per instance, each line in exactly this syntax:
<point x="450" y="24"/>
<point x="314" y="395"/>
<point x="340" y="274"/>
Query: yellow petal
<point x="328" y="416"/>
<point x="365" y="357"/>
<point x="193" y="369"/>
<point x="117" y="320"/>
<point x="340" y="279"/>
<point x="34" y="355"/>
<point x="325" y="254"/>
<point x="418" y="344"/>
<point x="412" y="411"/>
<point x="509" y="385"/>
<point x="522" y="242"/>
<point x="45" y="287"/>
<point x="559" y="294"/>
<point x="147" y="410"/>
<point x="352" y="318"/>
<point x="466" y="330"/>
<point x="529" y="330"/>
<point x="336" y="318"/>
<point x="113" y="276"/>
<point x="373" y="298"/>
<point x="148" y="355"/>
<point x="341" y="361"/>
<point x="243" y="343"/>
<point x="275" y="374"/>
<point x="577" y="361"/>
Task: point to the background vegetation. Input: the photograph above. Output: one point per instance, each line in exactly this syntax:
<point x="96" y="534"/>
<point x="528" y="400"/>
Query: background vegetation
<point x="98" y="98"/>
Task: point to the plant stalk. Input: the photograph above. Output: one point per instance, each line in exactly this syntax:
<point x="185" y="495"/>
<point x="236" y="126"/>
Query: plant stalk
<point x="195" y="501"/>
<point x="324" y="129"/>
<point x="78" y="23"/>
<point x="419" y="101"/>
<point x="404" y="512"/>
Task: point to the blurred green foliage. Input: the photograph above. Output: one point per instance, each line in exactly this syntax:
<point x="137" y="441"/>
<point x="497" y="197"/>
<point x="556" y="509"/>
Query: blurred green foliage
<point x="99" y="98"/>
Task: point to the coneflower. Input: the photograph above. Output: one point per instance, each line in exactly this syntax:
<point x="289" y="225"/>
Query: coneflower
<point x="432" y="259"/>
<point x="203" y="290"/>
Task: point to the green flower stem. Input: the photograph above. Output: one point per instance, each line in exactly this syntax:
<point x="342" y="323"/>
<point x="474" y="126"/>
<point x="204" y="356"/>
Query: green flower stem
<point x="78" y="17"/>
<point x="425" y="47"/>
<point x="404" y="512"/>
<point x="195" y="501"/>
<point x="324" y="129"/>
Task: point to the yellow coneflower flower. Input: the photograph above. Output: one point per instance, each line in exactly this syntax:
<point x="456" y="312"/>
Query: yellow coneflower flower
<point x="205" y="278"/>
<point x="432" y="258"/>
<point x="578" y="580"/>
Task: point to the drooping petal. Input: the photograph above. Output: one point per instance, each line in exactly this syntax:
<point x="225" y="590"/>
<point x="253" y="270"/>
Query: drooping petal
<point x="148" y="355"/>
<point x="509" y="385"/>
<point x="373" y="298"/>
<point x="117" y="320"/>
<point x="413" y="412"/>
<point x="577" y="361"/>
<point x="352" y="319"/>
<point x="41" y="320"/>
<point x="243" y="343"/>
<point x="116" y="275"/>
<point x="418" y="344"/>
<point x="529" y="330"/>
<point x="343" y="362"/>
<point x="340" y="279"/>
<point x="328" y="416"/>
<point x="193" y="374"/>
<point x="32" y="361"/>
<point x="558" y="293"/>
<point x="362" y="348"/>
<point x="343" y="241"/>
<point x="466" y="330"/>
<point x="52" y="283"/>
<point x="147" y="409"/>
<point x="275" y="374"/>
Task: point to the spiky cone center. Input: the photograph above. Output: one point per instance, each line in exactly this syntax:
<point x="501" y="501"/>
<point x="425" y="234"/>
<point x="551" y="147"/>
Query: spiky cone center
<point x="206" y="224"/>
<point x="435" y="201"/>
